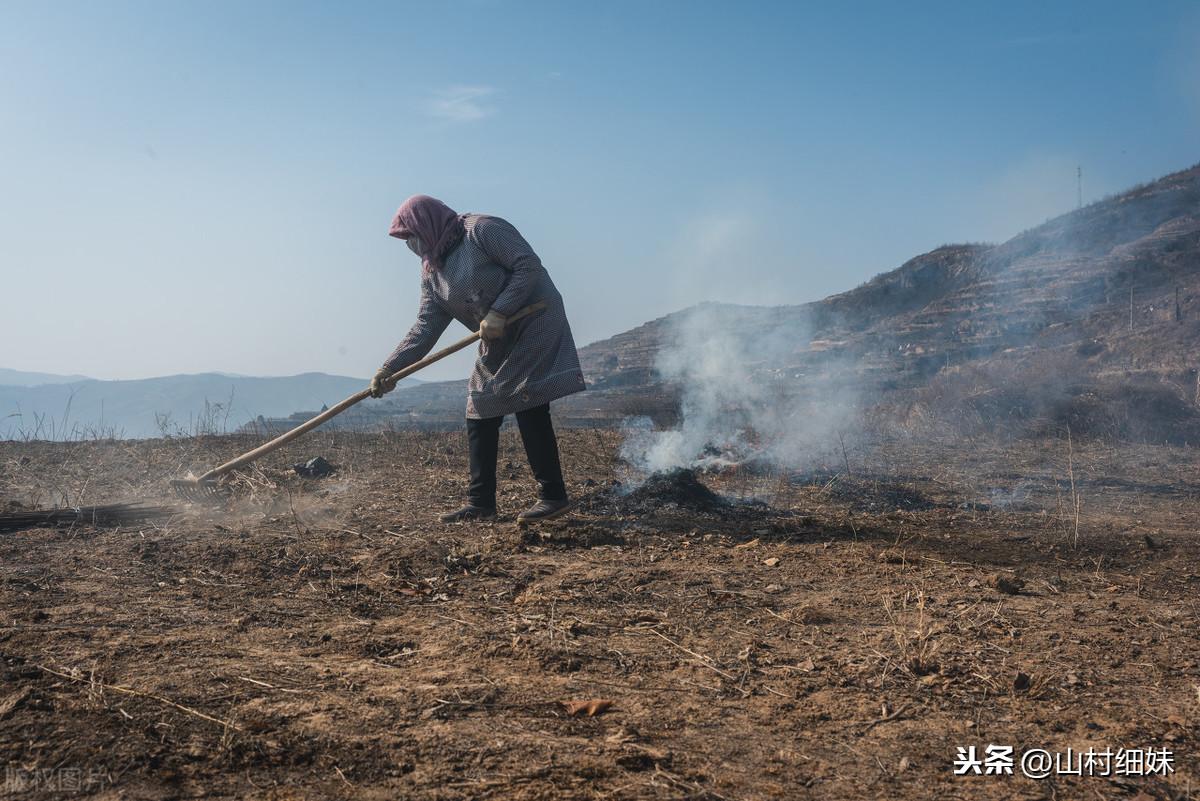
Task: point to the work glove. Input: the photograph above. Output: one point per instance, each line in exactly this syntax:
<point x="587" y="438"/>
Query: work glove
<point x="492" y="326"/>
<point x="380" y="385"/>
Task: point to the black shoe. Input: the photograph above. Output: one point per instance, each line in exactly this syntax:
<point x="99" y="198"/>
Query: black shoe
<point x="468" y="513"/>
<point x="544" y="510"/>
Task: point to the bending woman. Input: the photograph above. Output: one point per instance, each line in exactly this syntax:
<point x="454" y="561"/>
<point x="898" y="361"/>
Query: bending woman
<point x="479" y="270"/>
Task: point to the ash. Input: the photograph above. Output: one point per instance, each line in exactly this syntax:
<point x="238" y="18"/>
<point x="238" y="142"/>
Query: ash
<point x="680" y="487"/>
<point x="671" y="493"/>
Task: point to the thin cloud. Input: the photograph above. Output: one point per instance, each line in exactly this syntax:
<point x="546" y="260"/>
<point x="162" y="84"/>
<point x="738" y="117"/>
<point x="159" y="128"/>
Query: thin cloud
<point x="462" y="103"/>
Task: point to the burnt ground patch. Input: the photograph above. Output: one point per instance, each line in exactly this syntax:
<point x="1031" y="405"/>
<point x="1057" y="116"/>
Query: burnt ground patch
<point x="329" y="638"/>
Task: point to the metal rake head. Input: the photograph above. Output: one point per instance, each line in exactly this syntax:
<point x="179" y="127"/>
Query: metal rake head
<point x="198" y="490"/>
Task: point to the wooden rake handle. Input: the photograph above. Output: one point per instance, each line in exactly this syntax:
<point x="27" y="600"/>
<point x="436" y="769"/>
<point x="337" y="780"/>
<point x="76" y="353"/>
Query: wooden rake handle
<point x="334" y="411"/>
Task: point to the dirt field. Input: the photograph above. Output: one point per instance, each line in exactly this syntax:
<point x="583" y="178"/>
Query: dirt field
<point x="817" y="635"/>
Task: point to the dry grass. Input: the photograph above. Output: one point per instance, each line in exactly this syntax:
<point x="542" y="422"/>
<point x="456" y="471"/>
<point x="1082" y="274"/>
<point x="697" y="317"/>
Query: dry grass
<point x="322" y="639"/>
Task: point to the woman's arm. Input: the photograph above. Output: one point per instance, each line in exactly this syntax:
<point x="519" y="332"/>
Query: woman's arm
<point x="432" y="320"/>
<point x="505" y="245"/>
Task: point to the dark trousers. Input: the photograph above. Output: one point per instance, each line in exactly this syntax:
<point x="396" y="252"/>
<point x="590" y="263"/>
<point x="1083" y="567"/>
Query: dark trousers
<point x="541" y="448"/>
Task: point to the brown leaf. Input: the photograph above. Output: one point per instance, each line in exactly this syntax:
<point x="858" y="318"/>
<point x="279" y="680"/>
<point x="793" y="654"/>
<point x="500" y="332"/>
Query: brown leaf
<point x="591" y="707"/>
<point x="774" y="560"/>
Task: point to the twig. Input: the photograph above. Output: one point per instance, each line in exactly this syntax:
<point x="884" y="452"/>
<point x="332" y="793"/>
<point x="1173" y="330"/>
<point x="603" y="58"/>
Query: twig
<point x="268" y="686"/>
<point x="140" y="694"/>
<point x="704" y="660"/>
<point x="1074" y="491"/>
<point x="886" y="718"/>
<point x="781" y="617"/>
<point x="692" y="786"/>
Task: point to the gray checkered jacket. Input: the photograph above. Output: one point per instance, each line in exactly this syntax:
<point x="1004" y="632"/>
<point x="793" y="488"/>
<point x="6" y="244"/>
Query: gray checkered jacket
<point x="493" y="267"/>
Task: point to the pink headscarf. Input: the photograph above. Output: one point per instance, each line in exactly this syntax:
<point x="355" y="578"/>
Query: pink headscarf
<point x="437" y="225"/>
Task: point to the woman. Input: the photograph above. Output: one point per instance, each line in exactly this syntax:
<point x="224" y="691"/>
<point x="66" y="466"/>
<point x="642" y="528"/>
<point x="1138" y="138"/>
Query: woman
<point x="479" y="270"/>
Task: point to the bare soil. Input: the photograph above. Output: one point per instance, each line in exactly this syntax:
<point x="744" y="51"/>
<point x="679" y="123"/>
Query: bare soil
<point x="831" y="633"/>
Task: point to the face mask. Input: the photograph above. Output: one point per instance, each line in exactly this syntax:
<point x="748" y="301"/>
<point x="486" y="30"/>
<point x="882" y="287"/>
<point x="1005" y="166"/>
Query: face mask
<point x="414" y="244"/>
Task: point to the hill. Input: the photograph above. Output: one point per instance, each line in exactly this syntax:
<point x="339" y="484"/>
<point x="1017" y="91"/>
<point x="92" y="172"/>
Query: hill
<point x="20" y="378"/>
<point x="1106" y="295"/>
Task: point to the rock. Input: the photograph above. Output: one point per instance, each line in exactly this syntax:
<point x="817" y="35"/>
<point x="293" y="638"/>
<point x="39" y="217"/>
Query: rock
<point x="1009" y="585"/>
<point x="812" y="616"/>
<point x="316" y="467"/>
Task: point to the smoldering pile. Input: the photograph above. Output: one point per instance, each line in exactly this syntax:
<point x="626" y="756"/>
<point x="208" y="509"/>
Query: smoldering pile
<point x="679" y="487"/>
<point x="678" y="491"/>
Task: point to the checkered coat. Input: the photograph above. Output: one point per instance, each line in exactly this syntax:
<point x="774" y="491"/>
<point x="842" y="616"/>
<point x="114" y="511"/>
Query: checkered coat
<point x="493" y="267"/>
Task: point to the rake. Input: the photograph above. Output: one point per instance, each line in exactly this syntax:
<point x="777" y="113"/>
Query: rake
<point x="205" y="487"/>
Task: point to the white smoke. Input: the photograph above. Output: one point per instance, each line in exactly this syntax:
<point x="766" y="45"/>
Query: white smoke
<point x="746" y="391"/>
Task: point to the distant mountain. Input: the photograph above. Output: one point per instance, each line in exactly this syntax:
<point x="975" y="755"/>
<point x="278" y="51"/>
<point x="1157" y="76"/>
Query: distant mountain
<point x="178" y="404"/>
<point x="1092" y="316"/>
<point x="19" y="378"/>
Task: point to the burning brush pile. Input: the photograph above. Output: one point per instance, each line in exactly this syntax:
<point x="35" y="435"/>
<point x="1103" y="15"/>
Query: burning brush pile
<point x="680" y="488"/>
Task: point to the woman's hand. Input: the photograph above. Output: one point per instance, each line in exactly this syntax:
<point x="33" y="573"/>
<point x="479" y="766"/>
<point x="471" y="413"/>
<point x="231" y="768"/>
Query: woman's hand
<point x="492" y="326"/>
<point x="380" y="385"/>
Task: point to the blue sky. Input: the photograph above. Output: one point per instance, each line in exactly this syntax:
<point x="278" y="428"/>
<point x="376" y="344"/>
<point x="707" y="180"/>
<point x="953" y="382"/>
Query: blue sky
<point x="207" y="186"/>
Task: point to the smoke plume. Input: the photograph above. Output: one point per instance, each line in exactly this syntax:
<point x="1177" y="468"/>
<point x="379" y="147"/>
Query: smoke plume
<point x="743" y="394"/>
